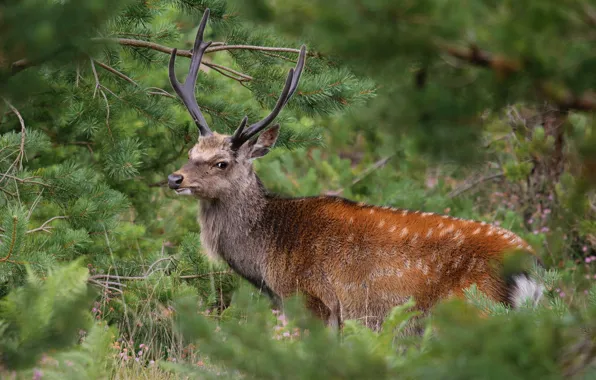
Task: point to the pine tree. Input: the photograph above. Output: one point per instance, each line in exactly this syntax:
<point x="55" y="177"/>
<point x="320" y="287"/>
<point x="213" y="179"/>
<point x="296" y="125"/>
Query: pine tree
<point x="458" y="99"/>
<point x="90" y="128"/>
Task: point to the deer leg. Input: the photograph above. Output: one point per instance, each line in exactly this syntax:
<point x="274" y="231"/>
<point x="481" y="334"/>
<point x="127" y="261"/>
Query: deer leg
<point x="325" y="306"/>
<point x="334" y="319"/>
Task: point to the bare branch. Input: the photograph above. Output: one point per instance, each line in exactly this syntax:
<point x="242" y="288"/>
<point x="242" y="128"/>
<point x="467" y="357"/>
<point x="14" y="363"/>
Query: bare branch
<point x="475" y="56"/>
<point x="160" y="91"/>
<point x="377" y="165"/>
<point x="44" y="227"/>
<point x="471" y="184"/>
<point x="23" y="132"/>
<point x="505" y="66"/>
<point x="116" y="72"/>
<point x="107" y="112"/>
<point x="216" y="46"/>
<point x="106" y="285"/>
<point x="252" y="47"/>
<point x="243" y="77"/>
<point x="97" y="84"/>
<point x="149" y="272"/>
<point x="26" y="180"/>
<point x="229" y="76"/>
<point x="203" y="275"/>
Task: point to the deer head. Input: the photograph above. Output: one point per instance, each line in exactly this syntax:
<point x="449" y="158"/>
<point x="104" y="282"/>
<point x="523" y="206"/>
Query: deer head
<point x="220" y="165"/>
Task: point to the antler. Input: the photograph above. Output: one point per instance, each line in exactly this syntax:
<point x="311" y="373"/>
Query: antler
<point x="186" y="91"/>
<point x="241" y="135"/>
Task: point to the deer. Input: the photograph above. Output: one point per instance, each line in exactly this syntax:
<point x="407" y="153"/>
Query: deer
<point x="348" y="260"/>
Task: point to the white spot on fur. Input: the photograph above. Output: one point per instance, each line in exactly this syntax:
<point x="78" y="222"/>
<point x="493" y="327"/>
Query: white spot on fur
<point x="490" y="232"/>
<point x="408" y="264"/>
<point x="404" y="212"/>
<point x="476" y="231"/>
<point x="425" y="270"/>
<point x="526" y="289"/>
<point x="447" y="230"/>
<point x="392" y="229"/>
<point x="440" y="225"/>
<point x="404" y="232"/>
<point x="351" y="219"/>
<point x="419" y="264"/>
<point x="351" y="237"/>
<point x="381" y="223"/>
<point x="429" y="233"/>
<point x="372" y="211"/>
<point x="415" y="237"/>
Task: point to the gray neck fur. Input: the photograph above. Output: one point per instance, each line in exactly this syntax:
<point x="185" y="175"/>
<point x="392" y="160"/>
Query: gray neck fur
<point x="228" y="229"/>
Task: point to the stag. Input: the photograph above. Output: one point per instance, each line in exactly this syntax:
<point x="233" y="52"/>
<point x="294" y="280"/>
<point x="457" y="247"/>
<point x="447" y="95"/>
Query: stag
<point x="349" y="260"/>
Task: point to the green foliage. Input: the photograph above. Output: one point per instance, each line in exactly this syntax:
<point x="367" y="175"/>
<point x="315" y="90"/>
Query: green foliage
<point x="459" y="342"/>
<point x="45" y="314"/>
<point x="417" y="104"/>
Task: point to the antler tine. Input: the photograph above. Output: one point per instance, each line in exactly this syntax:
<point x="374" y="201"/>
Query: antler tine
<point x="186" y="91"/>
<point x="240" y="136"/>
<point x="240" y="129"/>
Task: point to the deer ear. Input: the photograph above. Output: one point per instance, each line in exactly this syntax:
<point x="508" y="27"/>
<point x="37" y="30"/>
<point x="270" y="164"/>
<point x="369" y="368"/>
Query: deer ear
<point x="265" y="142"/>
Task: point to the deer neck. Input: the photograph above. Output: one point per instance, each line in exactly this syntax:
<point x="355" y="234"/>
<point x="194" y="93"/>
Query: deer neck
<point x="228" y="229"/>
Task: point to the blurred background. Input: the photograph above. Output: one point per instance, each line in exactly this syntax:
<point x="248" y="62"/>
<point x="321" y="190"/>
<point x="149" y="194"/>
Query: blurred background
<point x="477" y="109"/>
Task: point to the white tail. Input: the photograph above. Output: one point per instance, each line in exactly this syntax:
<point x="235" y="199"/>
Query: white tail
<point x="525" y="288"/>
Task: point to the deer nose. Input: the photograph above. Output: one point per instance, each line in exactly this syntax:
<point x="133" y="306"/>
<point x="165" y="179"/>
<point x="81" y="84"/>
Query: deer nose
<point x="174" y="181"/>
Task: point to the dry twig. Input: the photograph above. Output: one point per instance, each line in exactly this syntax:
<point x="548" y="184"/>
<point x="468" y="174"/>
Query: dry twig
<point x="377" y="165"/>
<point x="471" y="184"/>
<point x="44" y="227"/>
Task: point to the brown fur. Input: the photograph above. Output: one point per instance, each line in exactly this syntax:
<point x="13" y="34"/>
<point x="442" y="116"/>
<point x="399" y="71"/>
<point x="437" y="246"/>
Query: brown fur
<point x="351" y="261"/>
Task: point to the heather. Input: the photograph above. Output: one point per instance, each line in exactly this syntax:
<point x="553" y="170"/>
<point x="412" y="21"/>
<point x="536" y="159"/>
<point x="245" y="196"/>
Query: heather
<point x="481" y="112"/>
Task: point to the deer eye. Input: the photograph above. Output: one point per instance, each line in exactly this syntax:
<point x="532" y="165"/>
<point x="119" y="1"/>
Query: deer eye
<point x="221" y="165"/>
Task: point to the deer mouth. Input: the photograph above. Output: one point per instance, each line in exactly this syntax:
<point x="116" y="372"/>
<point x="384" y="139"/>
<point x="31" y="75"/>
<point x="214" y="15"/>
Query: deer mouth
<point x="184" y="191"/>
